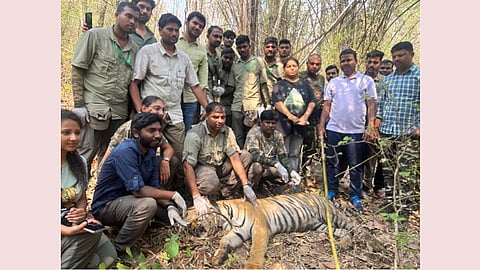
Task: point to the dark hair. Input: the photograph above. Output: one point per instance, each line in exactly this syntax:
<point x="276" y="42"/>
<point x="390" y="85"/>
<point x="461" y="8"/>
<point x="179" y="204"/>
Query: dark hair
<point x="387" y="61"/>
<point x="270" y="39"/>
<point x="213" y="27"/>
<point x="269" y="115"/>
<point x="149" y="100"/>
<point x="121" y="7"/>
<point x="349" y="51"/>
<point x="151" y="2"/>
<point x="198" y="15"/>
<point x="227" y="50"/>
<point x="74" y="160"/>
<point x="214" y="106"/>
<point x="168" y="18"/>
<point x="143" y="119"/>
<point x="375" y="53"/>
<point x="404" y="45"/>
<point x="284" y="41"/>
<point x="332" y="66"/>
<point x="242" y="39"/>
<point x="284" y="61"/>
<point x="229" y="33"/>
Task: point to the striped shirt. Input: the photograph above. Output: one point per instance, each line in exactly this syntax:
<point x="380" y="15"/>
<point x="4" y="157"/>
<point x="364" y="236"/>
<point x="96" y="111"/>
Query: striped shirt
<point x="399" y="102"/>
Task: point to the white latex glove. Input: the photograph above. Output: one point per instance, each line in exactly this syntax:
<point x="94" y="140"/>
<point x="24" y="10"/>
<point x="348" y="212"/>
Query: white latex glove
<point x="283" y="172"/>
<point x="249" y="194"/>
<point x="180" y="202"/>
<point x="294" y="178"/>
<point x="174" y="216"/>
<point x="82" y="113"/>
<point x="218" y="91"/>
<point x="200" y="204"/>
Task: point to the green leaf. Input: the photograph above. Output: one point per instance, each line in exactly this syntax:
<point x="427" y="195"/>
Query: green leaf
<point x="188" y="252"/>
<point x="122" y="266"/>
<point x="172" y="249"/>
<point x="141" y="258"/>
<point x="156" y="265"/>
<point x="102" y="266"/>
<point x="129" y="252"/>
<point x="142" y="265"/>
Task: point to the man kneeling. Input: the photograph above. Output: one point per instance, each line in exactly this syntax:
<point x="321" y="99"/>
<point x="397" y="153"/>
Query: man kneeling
<point x="271" y="165"/>
<point x="212" y="160"/>
<point x="128" y="194"/>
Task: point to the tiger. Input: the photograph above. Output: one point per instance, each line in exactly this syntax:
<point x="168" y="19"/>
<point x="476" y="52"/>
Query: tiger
<point x="297" y="212"/>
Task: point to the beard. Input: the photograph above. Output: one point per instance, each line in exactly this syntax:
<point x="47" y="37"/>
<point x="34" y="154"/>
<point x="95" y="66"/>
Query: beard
<point x="148" y="143"/>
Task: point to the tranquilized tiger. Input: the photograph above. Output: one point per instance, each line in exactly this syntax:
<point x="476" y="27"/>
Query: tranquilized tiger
<point x="280" y="214"/>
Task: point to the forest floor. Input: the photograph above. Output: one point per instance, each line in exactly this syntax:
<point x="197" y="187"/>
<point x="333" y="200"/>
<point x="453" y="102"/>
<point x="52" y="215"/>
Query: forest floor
<point x="298" y="250"/>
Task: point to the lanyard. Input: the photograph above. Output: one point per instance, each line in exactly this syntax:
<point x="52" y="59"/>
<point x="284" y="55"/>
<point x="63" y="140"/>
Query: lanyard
<point x="251" y="64"/>
<point x="119" y="52"/>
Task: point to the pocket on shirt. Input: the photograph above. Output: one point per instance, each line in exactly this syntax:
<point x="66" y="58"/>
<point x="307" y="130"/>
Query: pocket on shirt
<point x="160" y="74"/>
<point x="180" y="78"/>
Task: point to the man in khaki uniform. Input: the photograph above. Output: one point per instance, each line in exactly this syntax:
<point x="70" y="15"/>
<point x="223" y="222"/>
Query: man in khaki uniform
<point x="101" y="72"/>
<point x="252" y="89"/>
<point x="212" y="160"/>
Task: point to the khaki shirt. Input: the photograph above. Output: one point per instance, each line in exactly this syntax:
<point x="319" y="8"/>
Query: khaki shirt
<point x="198" y="55"/>
<point x="249" y="76"/>
<point x="274" y="72"/>
<point x="105" y="83"/>
<point x="227" y="80"/>
<point x="214" y="63"/>
<point x="165" y="76"/>
<point x="140" y="41"/>
<point x="202" y="148"/>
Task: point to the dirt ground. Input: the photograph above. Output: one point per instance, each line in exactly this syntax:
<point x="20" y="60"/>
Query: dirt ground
<point x="299" y="250"/>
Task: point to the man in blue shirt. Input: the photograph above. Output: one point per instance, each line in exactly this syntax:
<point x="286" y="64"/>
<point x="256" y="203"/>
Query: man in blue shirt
<point x="127" y="193"/>
<point x="398" y="115"/>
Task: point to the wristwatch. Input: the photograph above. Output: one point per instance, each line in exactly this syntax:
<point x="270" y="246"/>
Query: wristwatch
<point x="166" y="159"/>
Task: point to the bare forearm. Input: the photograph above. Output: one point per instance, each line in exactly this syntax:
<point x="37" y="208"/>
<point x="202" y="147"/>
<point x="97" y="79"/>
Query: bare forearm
<point x="200" y="95"/>
<point x="153" y="192"/>
<point x="238" y="168"/>
<point x="134" y="92"/>
<point x="190" y="178"/>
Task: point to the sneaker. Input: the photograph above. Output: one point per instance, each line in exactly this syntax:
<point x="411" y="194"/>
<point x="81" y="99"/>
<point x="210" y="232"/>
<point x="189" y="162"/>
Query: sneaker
<point x="357" y="203"/>
<point x="331" y="195"/>
<point x="380" y="193"/>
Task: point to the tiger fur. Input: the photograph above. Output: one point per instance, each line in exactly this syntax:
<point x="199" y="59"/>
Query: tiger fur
<point x="296" y="212"/>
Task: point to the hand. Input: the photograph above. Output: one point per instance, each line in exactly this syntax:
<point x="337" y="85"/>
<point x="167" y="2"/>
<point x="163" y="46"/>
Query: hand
<point x="82" y="113"/>
<point x="180" y="202"/>
<point x="76" y="215"/>
<point x="202" y="113"/>
<point x="200" y="205"/>
<point x="174" y="216"/>
<point x="164" y="171"/>
<point x="84" y="27"/>
<point x="294" y="178"/>
<point x="283" y="172"/>
<point x="249" y="194"/>
<point x="218" y="91"/>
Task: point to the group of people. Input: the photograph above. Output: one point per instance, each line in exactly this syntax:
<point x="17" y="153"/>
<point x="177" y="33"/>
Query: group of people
<point x="174" y="123"/>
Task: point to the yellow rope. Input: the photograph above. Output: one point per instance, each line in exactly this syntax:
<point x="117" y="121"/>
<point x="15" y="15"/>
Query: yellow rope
<point x="329" y="222"/>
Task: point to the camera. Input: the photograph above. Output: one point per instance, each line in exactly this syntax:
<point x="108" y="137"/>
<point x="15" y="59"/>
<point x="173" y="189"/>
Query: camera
<point x="63" y="217"/>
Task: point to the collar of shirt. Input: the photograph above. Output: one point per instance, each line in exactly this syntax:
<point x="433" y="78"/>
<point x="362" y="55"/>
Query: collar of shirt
<point x="129" y="44"/>
<point x="412" y="68"/>
<point x="249" y="59"/>
<point x="189" y="43"/>
<point x="164" y="52"/>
